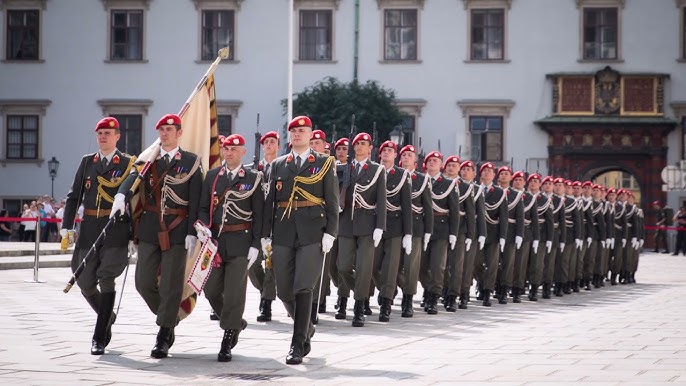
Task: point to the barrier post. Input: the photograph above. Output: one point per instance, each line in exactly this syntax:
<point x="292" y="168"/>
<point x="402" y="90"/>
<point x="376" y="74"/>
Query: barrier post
<point x="36" y="254"/>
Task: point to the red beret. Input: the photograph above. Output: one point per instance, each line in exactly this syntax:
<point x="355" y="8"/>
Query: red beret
<point x="596" y="186"/>
<point x="341" y="142"/>
<point x="221" y="139"/>
<point x="547" y="179"/>
<point x="300" y="121"/>
<point x="621" y="191"/>
<point x="629" y="193"/>
<point x="409" y="148"/>
<point x="169" y="119"/>
<point x="518" y="174"/>
<point x="390" y="144"/>
<point x="602" y="188"/>
<point x="467" y="164"/>
<point x="433" y="154"/>
<point x="234" y="140"/>
<point x="269" y="134"/>
<point x="612" y="191"/>
<point x="486" y="165"/>
<point x="504" y="169"/>
<point x="587" y="183"/>
<point x="656" y="202"/>
<point x="318" y="134"/>
<point x="327" y="146"/>
<point x="568" y="182"/>
<point x="559" y="180"/>
<point x="534" y="176"/>
<point x="362" y="137"/>
<point x="576" y="183"/>
<point x="452" y="158"/>
<point x="107" y="123"/>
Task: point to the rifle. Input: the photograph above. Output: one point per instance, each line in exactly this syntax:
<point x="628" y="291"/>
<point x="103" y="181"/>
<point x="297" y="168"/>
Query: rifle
<point x="334" y="136"/>
<point x="375" y="143"/>
<point x="258" y="136"/>
<point x="345" y="178"/>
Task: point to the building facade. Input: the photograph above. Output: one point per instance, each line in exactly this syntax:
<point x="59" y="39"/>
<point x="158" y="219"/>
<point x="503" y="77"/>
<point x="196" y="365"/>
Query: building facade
<point x="480" y="76"/>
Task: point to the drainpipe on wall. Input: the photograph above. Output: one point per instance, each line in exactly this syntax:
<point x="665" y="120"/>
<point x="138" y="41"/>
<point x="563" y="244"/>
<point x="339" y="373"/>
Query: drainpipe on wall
<point x="356" y="39"/>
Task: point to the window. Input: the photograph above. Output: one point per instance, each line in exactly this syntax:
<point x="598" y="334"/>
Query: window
<point x="224" y="124"/>
<point x="412" y="108"/>
<point x="600" y="33"/>
<point x="683" y="32"/>
<point x="487" y="138"/>
<point x="22" y="34"/>
<point x="227" y="111"/>
<point x="127" y="35"/>
<point x="487" y="32"/>
<point x="628" y="181"/>
<point x="315" y="34"/>
<point x="400" y="34"/>
<point x="22" y="136"/>
<point x="217" y="32"/>
<point x="131" y="131"/>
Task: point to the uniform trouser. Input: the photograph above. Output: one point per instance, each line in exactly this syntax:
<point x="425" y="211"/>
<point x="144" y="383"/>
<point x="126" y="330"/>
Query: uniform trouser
<point x="507" y="265"/>
<point x="355" y="261"/>
<point x="468" y="268"/>
<point x="536" y="264"/>
<point x="520" y="264"/>
<point x="101" y="269"/>
<point x="325" y="289"/>
<point x="589" y="259"/>
<point x="617" y="257"/>
<point x="580" y="261"/>
<point x="550" y="260"/>
<point x="630" y="255"/>
<point x="408" y="274"/>
<point x="573" y="259"/>
<point x="562" y="262"/>
<point x="225" y="290"/>
<point x="456" y="265"/>
<point x="262" y="278"/>
<point x="386" y="264"/>
<point x="433" y="266"/>
<point x="343" y="290"/>
<point x="634" y="262"/>
<point x="486" y="262"/>
<point x="162" y="298"/>
<point x="296" y="269"/>
<point x="600" y="264"/>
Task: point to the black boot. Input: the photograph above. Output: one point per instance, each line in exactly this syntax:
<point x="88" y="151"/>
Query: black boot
<point x="533" y="292"/>
<point x="502" y="299"/>
<point x="613" y="280"/>
<point x="432" y="302"/>
<point x="451" y="303"/>
<point x="313" y="313"/>
<point x="102" y="325"/>
<point x="164" y="341"/>
<point x="479" y="291"/>
<point x="632" y="279"/>
<point x="225" y="348"/>
<point x="567" y="288"/>
<point x="576" y="285"/>
<point x="558" y="289"/>
<point x="385" y="310"/>
<point x="407" y="311"/>
<point x="358" y="309"/>
<point x="341" y="305"/>
<point x="322" y="306"/>
<point x="301" y="325"/>
<point x="425" y="296"/>
<point x="516" y="292"/>
<point x="464" y="299"/>
<point x="265" y="311"/>
<point x="546" y="291"/>
<point x="587" y="284"/>
<point x="367" y="309"/>
<point x="487" y="298"/>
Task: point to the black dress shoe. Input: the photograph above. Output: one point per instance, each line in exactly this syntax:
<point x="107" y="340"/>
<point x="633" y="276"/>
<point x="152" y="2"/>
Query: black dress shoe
<point x="295" y="356"/>
<point x="462" y="304"/>
<point x="341" y="306"/>
<point x="161" y="349"/>
<point x="234" y="336"/>
<point x="265" y="311"/>
<point x="97" y="348"/>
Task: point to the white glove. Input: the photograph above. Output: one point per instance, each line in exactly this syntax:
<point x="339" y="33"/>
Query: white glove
<point x="64" y="233"/>
<point x="407" y="244"/>
<point x="589" y="240"/>
<point x="118" y="206"/>
<point x="427" y="238"/>
<point x="482" y="241"/>
<point x="534" y="246"/>
<point x="549" y="246"/>
<point x="252" y="256"/>
<point x="634" y="242"/>
<point x="640" y="243"/>
<point x="376" y="236"/>
<point x="190" y="242"/>
<point x="602" y="243"/>
<point x="502" y="245"/>
<point x="327" y="242"/>
<point x="452" y="239"/>
<point x="562" y="246"/>
<point x="579" y="244"/>
<point x="203" y="233"/>
<point x="266" y="244"/>
<point x="467" y="244"/>
<point x="608" y="242"/>
<point x="518" y="241"/>
<point x="133" y="248"/>
<point x="623" y="243"/>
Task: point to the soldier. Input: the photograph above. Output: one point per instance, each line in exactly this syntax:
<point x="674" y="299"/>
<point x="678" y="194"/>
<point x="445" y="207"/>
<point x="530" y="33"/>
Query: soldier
<point x="318" y="141"/>
<point x="559" y="232"/>
<point x="633" y="223"/>
<point x="422" y="228"/>
<point x="327" y="148"/>
<point x="231" y="205"/>
<point x="621" y="232"/>
<point x="640" y="230"/>
<point x="341" y="152"/>
<point x="467" y="174"/>
<point x="573" y="235"/>
<point x="544" y="211"/>
<point x="302" y="210"/>
<point x="515" y="233"/>
<point x="597" y="235"/>
<point x="446" y="225"/>
<point x="584" y="209"/>
<point x="171" y="195"/>
<point x="95" y="182"/>
<point x="363" y="222"/>
<point x="531" y="236"/>
<point x="398" y="234"/>
<point x="262" y="278"/>
<point x="465" y="235"/>
<point x="600" y="268"/>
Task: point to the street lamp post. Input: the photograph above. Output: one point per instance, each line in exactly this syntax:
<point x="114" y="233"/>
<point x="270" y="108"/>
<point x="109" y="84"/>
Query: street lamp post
<point x="53" y="165"/>
<point x="396" y="135"/>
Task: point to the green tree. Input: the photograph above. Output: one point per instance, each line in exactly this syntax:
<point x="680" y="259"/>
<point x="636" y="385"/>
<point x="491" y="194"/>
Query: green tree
<point x="330" y="102"/>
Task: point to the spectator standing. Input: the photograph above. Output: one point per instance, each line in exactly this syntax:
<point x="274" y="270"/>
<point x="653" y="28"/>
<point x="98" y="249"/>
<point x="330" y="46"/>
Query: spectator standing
<point x="5" y="227"/>
<point x="680" y="220"/>
<point x="30" y="226"/>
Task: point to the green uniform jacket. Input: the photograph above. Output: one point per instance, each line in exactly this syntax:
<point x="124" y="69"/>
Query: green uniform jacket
<point x="445" y="225"/>
<point x="398" y="222"/>
<point x="361" y="221"/>
<point x="515" y="215"/>
<point x="531" y="224"/>
<point x="465" y="199"/>
<point x="496" y="215"/>
<point x="422" y="214"/>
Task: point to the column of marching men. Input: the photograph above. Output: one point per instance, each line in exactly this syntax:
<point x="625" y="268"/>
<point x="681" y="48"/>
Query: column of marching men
<point x="287" y="219"/>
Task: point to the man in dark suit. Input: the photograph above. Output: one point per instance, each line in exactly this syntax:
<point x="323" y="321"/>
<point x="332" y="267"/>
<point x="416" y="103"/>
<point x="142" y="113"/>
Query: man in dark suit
<point x="363" y="222"/>
<point x="170" y="194"/>
<point x="95" y="183"/>
<point x="467" y="175"/>
<point x="531" y="237"/>
<point x="231" y="205"/>
<point x="302" y="216"/>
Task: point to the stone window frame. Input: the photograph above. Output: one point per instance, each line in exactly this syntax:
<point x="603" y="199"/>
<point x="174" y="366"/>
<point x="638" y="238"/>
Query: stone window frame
<point x="36" y="107"/>
<point x="681" y="6"/>
<point x="412" y="107"/>
<point x="140" y="107"/>
<point x="484" y="107"/>
<point x="384" y="5"/>
<point x="581" y="5"/>
<point x="9" y="5"/>
<point x="218" y="5"/>
<point x="314" y="5"/>
<point x="126" y="5"/>
<point x="470" y="5"/>
<point x="229" y="107"/>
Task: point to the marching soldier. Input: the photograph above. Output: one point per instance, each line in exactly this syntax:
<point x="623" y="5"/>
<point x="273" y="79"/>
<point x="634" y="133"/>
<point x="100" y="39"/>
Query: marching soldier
<point x="398" y="234"/>
<point x="263" y="278"/>
<point x="341" y="150"/>
<point x="446" y="225"/>
<point x="467" y="174"/>
<point x="171" y="195"/>
<point x="531" y="236"/>
<point x="552" y="191"/>
<point x="465" y="235"/>
<point x="302" y="211"/>
<point x="584" y="209"/>
<point x="515" y="232"/>
<point x="318" y="143"/>
<point x="231" y="205"/>
<point x="633" y="223"/>
<point x="621" y="233"/>
<point x="95" y="183"/>
<point x="363" y="222"/>
<point x="640" y="234"/>
<point x="599" y="267"/>
<point x="597" y="236"/>
<point x="544" y="211"/>
<point x="422" y="228"/>
<point x="573" y="235"/>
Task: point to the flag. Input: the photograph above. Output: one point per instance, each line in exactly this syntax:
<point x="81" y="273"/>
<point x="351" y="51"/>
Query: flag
<point x="199" y="123"/>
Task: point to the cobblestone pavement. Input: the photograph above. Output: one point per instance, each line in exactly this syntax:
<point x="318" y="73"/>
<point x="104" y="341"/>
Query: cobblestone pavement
<point x="615" y="335"/>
